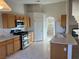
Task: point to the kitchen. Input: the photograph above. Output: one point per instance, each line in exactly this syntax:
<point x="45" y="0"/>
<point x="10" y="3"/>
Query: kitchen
<point x="15" y="38"/>
<point x="23" y="30"/>
<point x="13" y="34"/>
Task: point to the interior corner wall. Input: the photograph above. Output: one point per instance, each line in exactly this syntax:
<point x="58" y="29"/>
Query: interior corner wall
<point x="1" y="26"/>
<point x="67" y="12"/>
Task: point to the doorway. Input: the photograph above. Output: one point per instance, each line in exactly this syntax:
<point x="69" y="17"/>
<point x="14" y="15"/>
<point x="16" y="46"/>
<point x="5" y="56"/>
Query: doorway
<point x="49" y="28"/>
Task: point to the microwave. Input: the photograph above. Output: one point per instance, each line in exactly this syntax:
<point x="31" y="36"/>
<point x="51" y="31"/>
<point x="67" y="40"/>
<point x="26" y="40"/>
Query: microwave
<point x="19" y="22"/>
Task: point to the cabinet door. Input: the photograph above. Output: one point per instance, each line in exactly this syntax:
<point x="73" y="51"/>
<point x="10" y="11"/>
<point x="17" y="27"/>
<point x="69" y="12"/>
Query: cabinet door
<point x="16" y="17"/>
<point x="17" y="45"/>
<point x="63" y="21"/>
<point x="10" y="47"/>
<point x="58" y="51"/>
<point x="11" y="21"/>
<point x="30" y="22"/>
<point x="75" y="52"/>
<point x="27" y="21"/>
<point x="5" y="20"/>
<point x="8" y="20"/>
<point x="2" y="50"/>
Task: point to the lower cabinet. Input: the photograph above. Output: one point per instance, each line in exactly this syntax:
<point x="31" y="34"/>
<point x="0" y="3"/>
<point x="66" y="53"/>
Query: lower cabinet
<point x="13" y="45"/>
<point x="17" y="45"/>
<point x="75" y="52"/>
<point x="2" y="50"/>
<point x="58" y="51"/>
<point x="10" y="48"/>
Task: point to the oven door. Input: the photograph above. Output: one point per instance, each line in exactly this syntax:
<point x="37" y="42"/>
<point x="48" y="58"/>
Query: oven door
<point x="25" y="41"/>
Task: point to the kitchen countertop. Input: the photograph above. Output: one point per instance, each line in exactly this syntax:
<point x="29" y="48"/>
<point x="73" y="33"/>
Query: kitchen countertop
<point x="64" y="40"/>
<point x="7" y="37"/>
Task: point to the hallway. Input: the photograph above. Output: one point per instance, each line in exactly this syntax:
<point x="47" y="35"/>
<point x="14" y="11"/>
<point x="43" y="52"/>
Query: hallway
<point x="38" y="50"/>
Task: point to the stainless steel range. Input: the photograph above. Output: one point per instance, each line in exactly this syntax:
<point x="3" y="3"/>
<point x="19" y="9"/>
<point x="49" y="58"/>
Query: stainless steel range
<point x="24" y="40"/>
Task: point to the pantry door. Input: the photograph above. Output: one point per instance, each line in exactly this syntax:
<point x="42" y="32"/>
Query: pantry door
<point x="38" y="26"/>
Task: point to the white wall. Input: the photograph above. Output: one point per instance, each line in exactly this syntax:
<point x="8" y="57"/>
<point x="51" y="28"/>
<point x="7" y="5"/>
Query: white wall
<point x="55" y="10"/>
<point x="75" y="9"/>
<point x="16" y="8"/>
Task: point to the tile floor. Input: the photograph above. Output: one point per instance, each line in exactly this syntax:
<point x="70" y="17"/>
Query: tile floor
<point x="38" y="50"/>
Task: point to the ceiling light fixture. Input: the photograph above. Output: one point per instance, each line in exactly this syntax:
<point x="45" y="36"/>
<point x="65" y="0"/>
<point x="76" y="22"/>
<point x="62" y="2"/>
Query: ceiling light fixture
<point x="4" y="6"/>
<point x="1" y="7"/>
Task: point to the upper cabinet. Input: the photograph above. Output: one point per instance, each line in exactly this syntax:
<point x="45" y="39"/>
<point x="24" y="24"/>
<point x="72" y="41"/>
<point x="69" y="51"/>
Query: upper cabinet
<point x="17" y="17"/>
<point x="25" y="19"/>
<point x="63" y="21"/>
<point x="8" y="20"/>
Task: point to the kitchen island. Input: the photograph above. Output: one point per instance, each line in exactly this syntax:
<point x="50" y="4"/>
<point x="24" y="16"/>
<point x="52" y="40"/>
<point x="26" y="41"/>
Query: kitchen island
<point x="62" y="47"/>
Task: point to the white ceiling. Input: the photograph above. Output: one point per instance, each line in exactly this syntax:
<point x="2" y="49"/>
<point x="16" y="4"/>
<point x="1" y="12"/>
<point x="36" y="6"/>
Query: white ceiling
<point x="34" y="1"/>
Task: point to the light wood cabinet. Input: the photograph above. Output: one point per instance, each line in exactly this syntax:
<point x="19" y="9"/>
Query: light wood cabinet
<point x="63" y="21"/>
<point x="58" y="51"/>
<point x="10" y="47"/>
<point x="18" y="17"/>
<point x="30" y="22"/>
<point x="2" y="50"/>
<point x="5" y="20"/>
<point x="27" y="21"/>
<point x="75" y="52"/>
<point x="17" y="45"/>
<point x="11" y="21"/>
<point x="31" y="37"/>
<point x="8" y="20"/>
